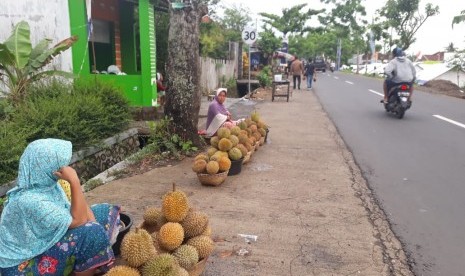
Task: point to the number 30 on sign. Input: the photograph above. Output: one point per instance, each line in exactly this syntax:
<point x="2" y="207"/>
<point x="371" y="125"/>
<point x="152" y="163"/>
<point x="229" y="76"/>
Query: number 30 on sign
<point x="249" y="35"/>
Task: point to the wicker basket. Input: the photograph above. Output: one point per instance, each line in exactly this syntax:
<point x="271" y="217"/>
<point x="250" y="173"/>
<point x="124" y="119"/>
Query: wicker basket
<point x="212" y="179"/>
<point x="198" y="268"/>
<point x="247" y="158"/>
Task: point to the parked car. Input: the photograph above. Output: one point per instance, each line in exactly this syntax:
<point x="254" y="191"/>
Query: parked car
<point x="320" y="64"/>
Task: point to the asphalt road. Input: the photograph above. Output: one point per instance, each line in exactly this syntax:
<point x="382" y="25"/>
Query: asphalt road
<point x="415" y="166"/>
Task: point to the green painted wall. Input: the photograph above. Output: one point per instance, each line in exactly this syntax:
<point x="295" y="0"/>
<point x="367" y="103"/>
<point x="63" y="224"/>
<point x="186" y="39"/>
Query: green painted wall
<point x="148" y="55"/>
<point x="137" y="86"/>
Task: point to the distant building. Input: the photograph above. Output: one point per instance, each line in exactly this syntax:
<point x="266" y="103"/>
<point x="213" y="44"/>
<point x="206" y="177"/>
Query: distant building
<point x="122" y="39"/>
<point x="439" y="56"/>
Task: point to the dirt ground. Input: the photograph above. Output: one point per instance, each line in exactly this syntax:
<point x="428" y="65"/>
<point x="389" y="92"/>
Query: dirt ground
<point x="442" y="87"/>
<point x="301" y="199"/>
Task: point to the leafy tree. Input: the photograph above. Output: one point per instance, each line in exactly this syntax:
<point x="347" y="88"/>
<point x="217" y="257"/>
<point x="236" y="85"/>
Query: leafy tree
<point x="450" y="47"/>
<point x="236" y="18"/>
<point x="404" y="19"/>
<point x="346" y="16"/>
<point x="458" y="63"/>
<point x="268" y="43"/>
<point x="292" y="20"/>
<point x="212" y="40"/>
<point x="346" y="22"/>
<point x="459" y="18"/>
<point x="21" y="64"/>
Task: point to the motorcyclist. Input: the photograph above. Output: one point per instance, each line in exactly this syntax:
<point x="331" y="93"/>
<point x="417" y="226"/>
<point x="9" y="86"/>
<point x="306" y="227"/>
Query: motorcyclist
<point x="399" y="70"/>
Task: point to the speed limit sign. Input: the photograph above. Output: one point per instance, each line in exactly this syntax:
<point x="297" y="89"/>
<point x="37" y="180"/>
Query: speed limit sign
<point x="249" y="35"/>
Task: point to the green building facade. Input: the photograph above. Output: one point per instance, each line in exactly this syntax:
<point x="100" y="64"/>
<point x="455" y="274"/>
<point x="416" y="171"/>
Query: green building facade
<point x="123" y="36"/>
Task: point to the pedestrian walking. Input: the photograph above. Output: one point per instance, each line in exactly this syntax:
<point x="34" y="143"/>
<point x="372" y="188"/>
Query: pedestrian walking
<point x="309" y="73"/>
<point x="297" y="70"/>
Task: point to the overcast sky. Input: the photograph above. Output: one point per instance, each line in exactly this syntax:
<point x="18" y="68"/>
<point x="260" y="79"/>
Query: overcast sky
<point x="433" y="36"/>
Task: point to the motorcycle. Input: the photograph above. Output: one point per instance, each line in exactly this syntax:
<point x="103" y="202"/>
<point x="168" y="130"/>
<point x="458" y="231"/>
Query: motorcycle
<point x="398" y="100"/>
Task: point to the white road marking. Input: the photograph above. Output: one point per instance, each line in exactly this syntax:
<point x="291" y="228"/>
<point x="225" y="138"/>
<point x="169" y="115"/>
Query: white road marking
<point x="349" y="82"/>
<point x="376" y="92"/>
<point x="449" y="121"/>
<point x="336" y="78"/>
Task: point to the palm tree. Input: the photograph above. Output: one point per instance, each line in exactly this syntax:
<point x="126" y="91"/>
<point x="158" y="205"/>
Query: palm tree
<point x="459" y="18"/>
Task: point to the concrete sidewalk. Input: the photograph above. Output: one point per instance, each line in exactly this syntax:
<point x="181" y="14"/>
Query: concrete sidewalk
<point x="301" y="199"/>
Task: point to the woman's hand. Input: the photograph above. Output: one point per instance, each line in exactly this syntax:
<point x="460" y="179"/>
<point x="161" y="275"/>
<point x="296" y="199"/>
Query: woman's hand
<point x="69" y="174"/>
<point x="80" y="211"/>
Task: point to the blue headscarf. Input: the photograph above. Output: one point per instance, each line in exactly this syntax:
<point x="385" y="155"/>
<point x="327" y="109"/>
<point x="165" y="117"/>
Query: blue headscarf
<point x="37" y="213"/>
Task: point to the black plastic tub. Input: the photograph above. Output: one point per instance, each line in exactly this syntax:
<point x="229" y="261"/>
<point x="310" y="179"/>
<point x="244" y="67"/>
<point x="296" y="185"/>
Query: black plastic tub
<point x="236" y="167"/>
<point x="127" y="224"/>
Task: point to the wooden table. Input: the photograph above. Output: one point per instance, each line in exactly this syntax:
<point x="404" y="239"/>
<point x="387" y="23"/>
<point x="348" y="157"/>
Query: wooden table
<point x="276" y="83"/>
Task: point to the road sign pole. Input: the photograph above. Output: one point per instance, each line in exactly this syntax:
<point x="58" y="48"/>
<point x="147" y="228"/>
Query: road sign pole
<point x="249" y="36"/>
<point x="250" y="64"/>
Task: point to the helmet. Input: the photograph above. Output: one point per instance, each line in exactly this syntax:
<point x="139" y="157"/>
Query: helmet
<point x="397" y="52"/>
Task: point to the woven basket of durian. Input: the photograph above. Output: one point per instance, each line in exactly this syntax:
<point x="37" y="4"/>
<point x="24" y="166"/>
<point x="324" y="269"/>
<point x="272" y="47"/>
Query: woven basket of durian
<point x="213" y="170"/>
<point x="180" y="245"/>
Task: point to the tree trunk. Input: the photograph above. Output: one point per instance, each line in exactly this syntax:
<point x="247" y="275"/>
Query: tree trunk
<point x="183" y="95"/>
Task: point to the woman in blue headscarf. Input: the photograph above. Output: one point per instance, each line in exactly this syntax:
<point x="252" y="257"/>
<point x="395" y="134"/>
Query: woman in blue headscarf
<point x="41" y="232"/>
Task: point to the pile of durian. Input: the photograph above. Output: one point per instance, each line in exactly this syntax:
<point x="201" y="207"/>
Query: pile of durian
<point x="182" y="240"/>
<point x="231" y="144"/>
<point x="254" y="128"/>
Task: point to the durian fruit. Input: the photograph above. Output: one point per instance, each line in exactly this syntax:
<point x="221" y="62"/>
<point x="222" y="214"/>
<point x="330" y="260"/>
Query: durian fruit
<point x="235" y="130"/>
<point x="187" y="256"/>
<point x="66" y="188"/>
<point x="248" y="121"/>
<point x="242" y="148"/>
<point x="242" y="125"/>
<point x="153" y="216"/>
<point x="255" y="116"/>
<point x="215" y="157"/>
<point x="194" y="223"/>
<point x="171" y="235"/>
<point x="122" y="270"/>
<point x="160" y="249"/>
<point x="137" y="247"/>
<point x="207" y="231"/>
<point x="223" y="153"/>
<point x="248" y="145"/>
<point x="182" y="272"/>
<point x="175" y="205"/>
<point x="199" y="166"/>
<point x="224" y="164"/>
<point x="262" y="132"/>
<point x="235" y="154"/>
<point x="161" y="265"/>
<point x="234" y="140"/>
<point x="224" y="144"/>
<point x="203" y="244"/>
<point x="213" y="167"/>
<point x="261" y="124"/>
<point x="214" y="141"/>
<point x="211" y="151"/>
<point x="201" y="156"/>
<point x="253" y="128"/>
<point x="223" y="132"/>
<point x="243" y="138"/>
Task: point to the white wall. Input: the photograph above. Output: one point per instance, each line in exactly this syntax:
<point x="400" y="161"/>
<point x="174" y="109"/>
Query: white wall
<point x="46" y="18"/>
<point x="213" y="70"/>
<point x="452" y="76"/>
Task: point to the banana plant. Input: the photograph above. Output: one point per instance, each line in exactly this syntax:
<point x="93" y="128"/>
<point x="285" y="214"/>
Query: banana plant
<point x="21" y="64"/>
